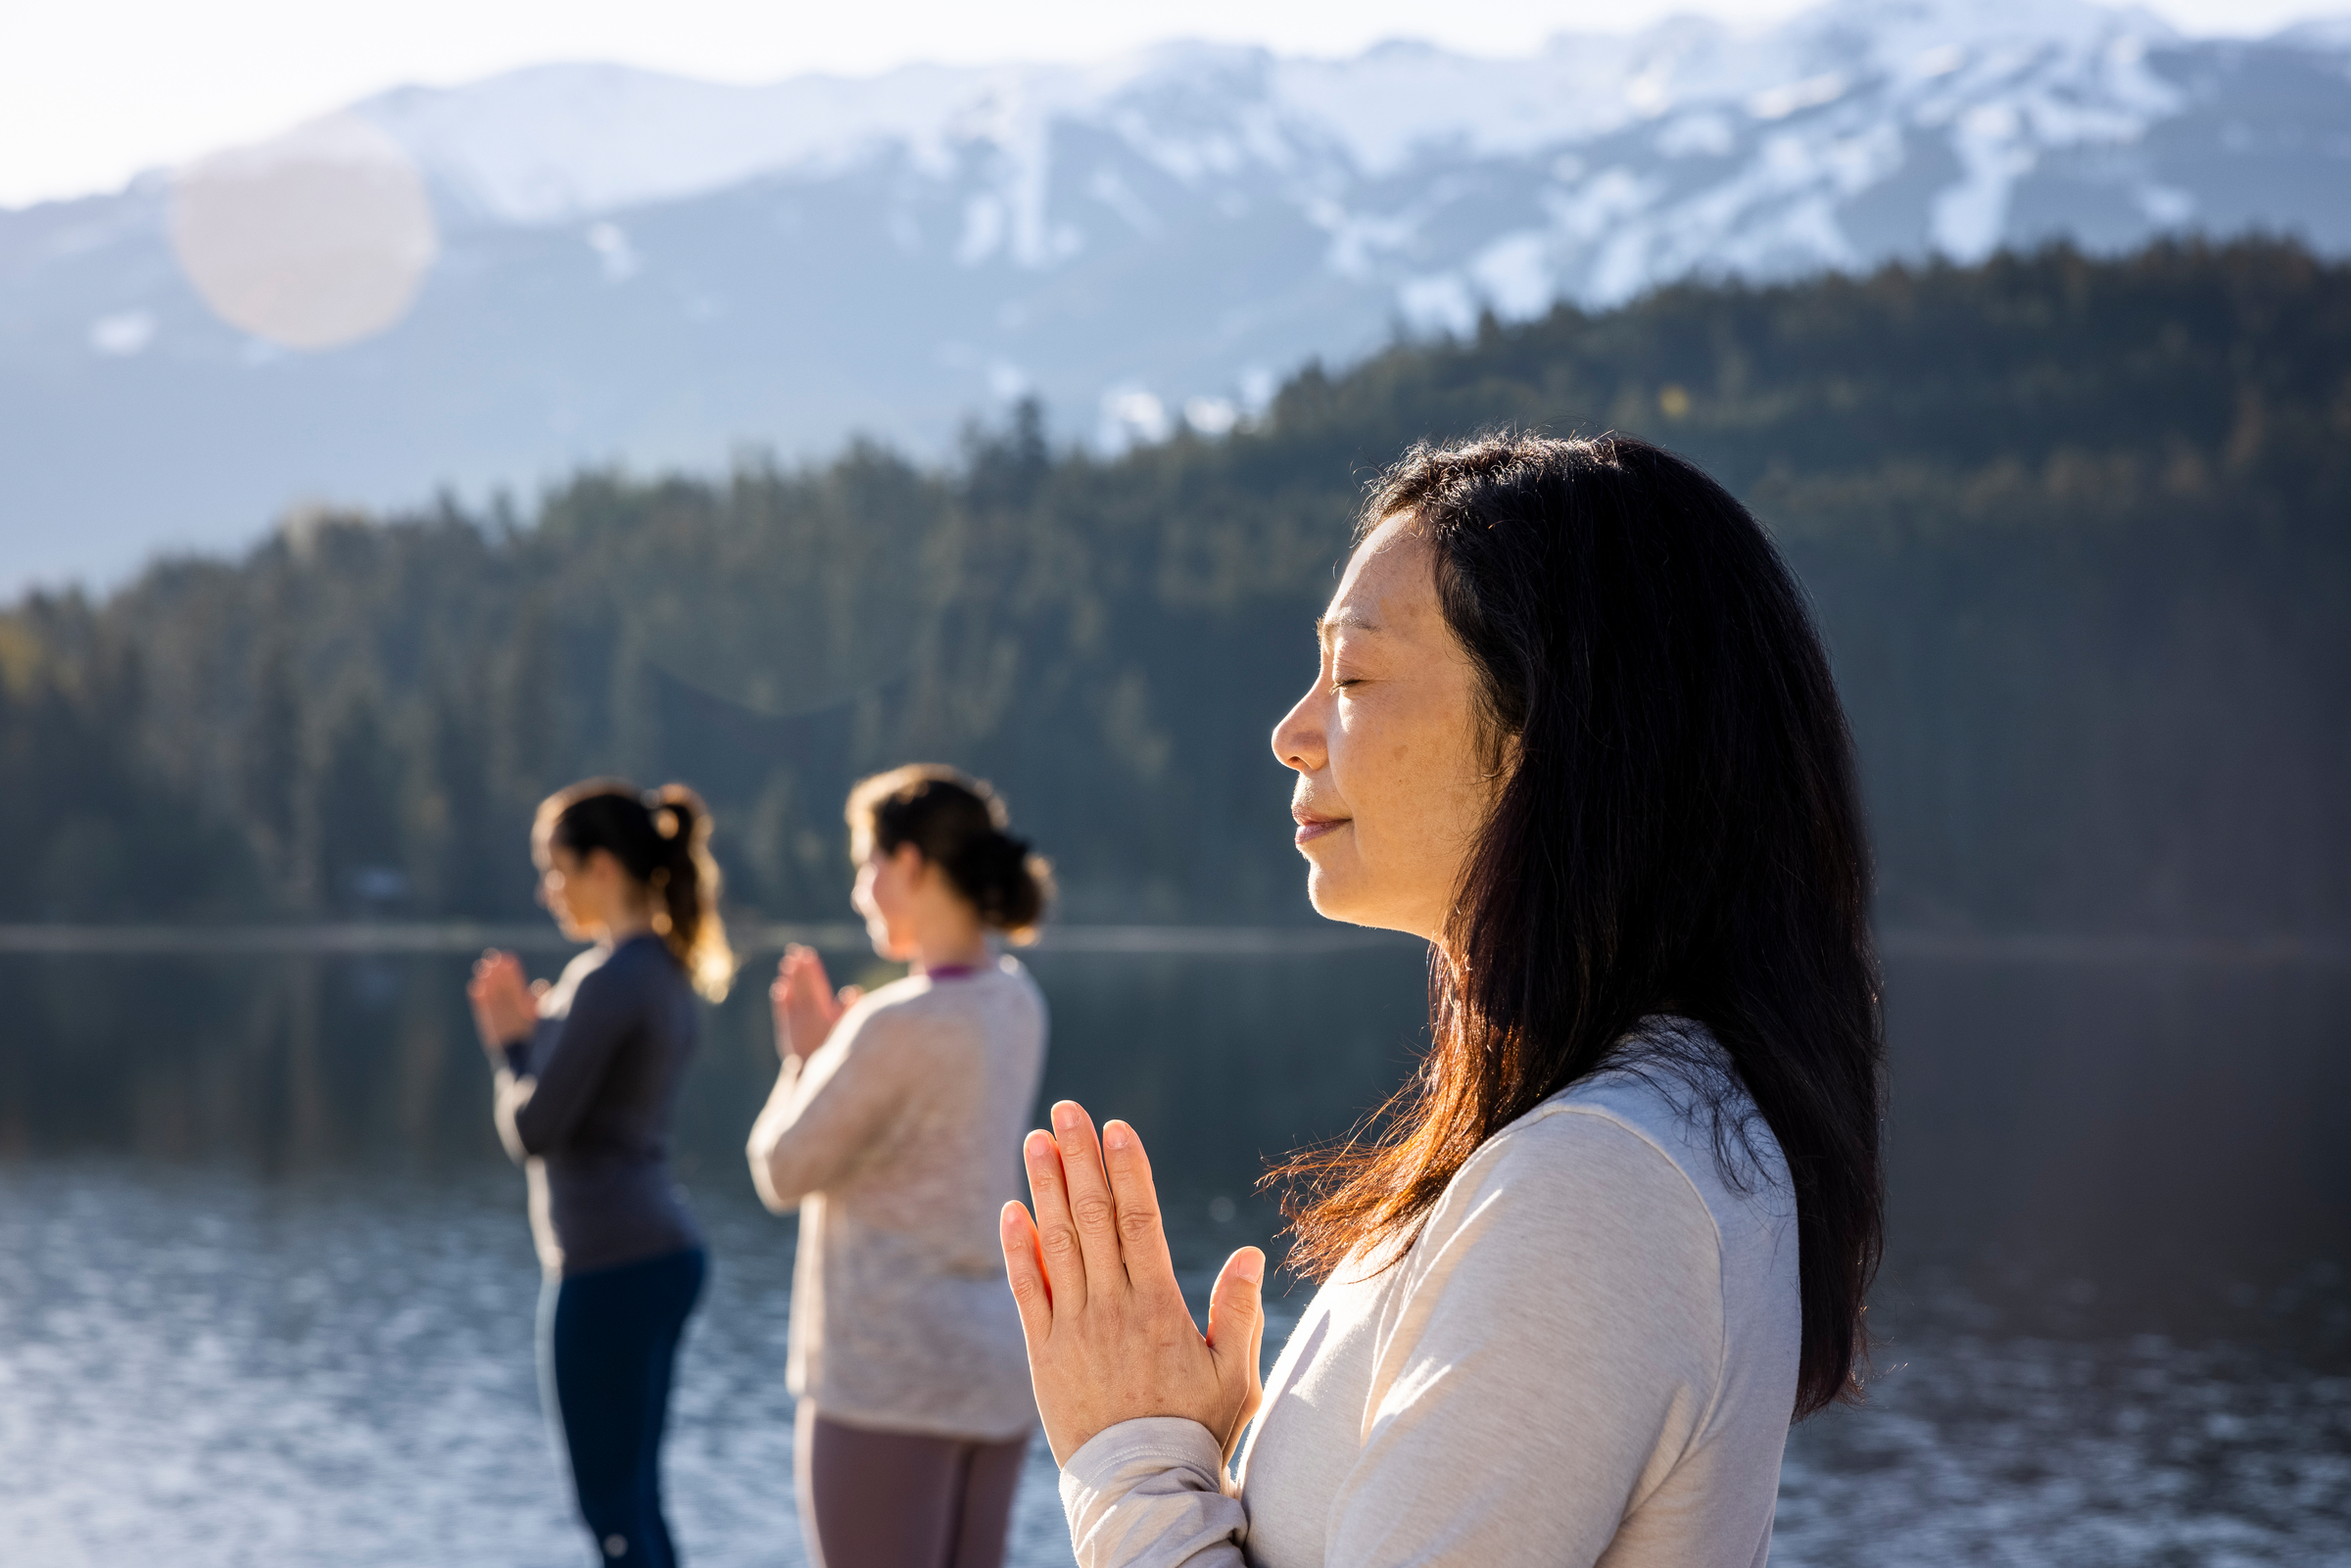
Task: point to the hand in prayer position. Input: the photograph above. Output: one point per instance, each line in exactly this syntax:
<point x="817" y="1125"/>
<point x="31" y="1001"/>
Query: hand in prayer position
<point x="506" y="1006"/>
<point x="806" y="1006"/>
<point x="1110" y="1339"/>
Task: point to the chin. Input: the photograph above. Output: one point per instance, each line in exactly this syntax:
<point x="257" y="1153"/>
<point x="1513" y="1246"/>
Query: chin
<point x="1335" y="899"/>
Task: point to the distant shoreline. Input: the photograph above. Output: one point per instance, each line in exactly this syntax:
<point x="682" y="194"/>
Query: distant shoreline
<point x="358" y="937"/>
<point x="424" y="937"/>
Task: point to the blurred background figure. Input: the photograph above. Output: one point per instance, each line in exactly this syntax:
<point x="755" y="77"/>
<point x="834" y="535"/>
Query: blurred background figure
<point x="587" y="1072"/>
<point x="895" y="1127"/>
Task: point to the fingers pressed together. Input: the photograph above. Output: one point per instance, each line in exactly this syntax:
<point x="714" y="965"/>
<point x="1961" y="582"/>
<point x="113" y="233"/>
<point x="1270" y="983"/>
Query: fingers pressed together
<point x="1110" y="1338"/>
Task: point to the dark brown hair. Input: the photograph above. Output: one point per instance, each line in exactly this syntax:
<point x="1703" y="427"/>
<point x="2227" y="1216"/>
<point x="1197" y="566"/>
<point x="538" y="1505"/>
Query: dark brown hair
<point x="960" y="825"/>
<point x="1677" y="829"/>
<point x="661" y="837"/>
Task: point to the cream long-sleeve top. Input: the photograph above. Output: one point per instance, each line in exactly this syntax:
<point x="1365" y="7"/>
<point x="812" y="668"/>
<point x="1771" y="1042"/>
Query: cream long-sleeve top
<point x="1588" y="1355"/>
<point x="899" y="1139"/>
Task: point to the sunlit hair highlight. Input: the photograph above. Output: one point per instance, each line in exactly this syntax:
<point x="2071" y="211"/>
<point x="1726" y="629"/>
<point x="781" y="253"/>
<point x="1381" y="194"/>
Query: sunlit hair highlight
<point x="661" y="838"/>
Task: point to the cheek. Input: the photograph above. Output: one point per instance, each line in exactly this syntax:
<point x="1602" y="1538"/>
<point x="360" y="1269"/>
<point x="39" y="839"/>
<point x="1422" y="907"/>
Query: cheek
<point x="1405" y="774"/>
<point x="1377" y="759"/>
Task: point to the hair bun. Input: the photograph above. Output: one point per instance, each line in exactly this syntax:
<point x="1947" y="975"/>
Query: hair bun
<point x="998" y="873"/>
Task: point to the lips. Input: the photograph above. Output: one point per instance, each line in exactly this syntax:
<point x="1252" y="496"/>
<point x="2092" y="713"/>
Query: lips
<point x="1311" y="828"/>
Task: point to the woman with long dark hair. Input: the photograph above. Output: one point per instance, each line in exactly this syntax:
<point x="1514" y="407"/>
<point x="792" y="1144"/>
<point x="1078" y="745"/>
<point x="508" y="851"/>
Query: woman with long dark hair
<point x="893" y="1129"/>
<point x="587" y="1072"/>
<point x="1572" y="723"/>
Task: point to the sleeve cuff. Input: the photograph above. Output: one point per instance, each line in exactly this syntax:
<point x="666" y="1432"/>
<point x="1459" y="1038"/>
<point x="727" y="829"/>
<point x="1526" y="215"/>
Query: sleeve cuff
<point x="1148" y="1493"/>
<point x="1154" y="1441"/>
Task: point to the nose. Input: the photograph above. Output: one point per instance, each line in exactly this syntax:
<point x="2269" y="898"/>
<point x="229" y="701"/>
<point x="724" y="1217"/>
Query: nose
<point x="1299" y="740"/>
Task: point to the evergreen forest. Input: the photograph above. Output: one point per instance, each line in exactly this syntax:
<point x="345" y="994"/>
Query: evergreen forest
<point x="2078" y="531"/>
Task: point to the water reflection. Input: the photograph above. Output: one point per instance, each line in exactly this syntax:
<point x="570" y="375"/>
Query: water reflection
<point x="2142" y="1137"/>
<point x="2127" y="1126"/>
<point x="265" y="1288"/>
<point x="298" y="1063"/>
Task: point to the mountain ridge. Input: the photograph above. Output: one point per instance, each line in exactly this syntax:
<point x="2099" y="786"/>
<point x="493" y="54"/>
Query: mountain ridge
<point x="652" y="271"/>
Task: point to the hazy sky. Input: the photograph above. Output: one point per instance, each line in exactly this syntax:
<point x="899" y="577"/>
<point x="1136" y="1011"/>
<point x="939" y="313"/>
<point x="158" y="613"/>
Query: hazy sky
<point x="92" y="92"/>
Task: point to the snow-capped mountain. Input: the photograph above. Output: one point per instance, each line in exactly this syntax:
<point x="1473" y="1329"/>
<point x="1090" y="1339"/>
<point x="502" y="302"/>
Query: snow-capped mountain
<point x="636" y="267"/>
<point x="1724" y="149"/>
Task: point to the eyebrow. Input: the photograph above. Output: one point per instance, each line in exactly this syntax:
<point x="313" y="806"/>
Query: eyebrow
<point x="1356" y="618"/>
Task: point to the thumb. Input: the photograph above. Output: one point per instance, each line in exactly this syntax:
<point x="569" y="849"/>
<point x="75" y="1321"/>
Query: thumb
<point x="1236" y="1328"/>
<point x="1235" y="1313"/>
<point x="850" y="996"/>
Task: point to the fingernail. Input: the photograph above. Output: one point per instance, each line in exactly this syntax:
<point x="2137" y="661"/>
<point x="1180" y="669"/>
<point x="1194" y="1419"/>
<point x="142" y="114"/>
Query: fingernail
<point x="1253" y="1266"/>
<point x="1118" y="1135"/>
<point x="1065" y="1115"/>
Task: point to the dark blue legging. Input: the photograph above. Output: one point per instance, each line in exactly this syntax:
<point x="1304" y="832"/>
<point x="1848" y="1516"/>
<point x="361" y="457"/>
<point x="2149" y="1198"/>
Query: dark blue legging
<point x="607" y="1340"/>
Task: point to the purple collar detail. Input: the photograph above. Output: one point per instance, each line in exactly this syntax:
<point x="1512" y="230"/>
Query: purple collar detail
<point x="951" y="972"/>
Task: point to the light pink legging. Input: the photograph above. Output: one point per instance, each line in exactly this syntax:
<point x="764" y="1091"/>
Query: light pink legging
<point x="902" y="1499"/>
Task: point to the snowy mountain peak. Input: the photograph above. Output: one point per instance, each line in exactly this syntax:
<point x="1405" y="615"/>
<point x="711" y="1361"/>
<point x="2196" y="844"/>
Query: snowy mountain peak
<point x="642" y="266"/>
<point x="559" y="143"/>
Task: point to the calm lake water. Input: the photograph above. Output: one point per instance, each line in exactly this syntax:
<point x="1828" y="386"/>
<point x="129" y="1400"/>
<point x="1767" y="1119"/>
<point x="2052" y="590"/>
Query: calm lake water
<point x="265" y="1286"/>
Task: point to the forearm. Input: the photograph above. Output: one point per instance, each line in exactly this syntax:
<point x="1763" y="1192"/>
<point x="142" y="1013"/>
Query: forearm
<point x="510" y="1091"/>
<point x="1150" y="1493"/>
<point x="772" y="1172"/>
<point x="828" y="1111"/>
<point x="549" y="1082"/>
<point x="512" y="1086"/>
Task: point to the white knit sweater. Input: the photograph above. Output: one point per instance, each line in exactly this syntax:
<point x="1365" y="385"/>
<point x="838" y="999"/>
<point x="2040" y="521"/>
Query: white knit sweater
<point x="900" y="1138"/>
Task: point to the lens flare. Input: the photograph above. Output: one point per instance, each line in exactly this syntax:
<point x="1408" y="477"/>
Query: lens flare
<point x="315" y="239"/>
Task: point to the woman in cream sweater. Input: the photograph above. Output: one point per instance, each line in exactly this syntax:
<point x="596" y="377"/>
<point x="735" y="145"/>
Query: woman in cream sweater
<point x="894" y="1128"/>
<point x="1572" y="725"/>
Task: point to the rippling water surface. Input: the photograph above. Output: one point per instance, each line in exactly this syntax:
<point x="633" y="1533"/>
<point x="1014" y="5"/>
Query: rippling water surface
<point x="267" y="1294"/>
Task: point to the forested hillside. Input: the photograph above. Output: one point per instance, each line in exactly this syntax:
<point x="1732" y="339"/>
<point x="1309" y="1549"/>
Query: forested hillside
<point x="2079" y="531"/>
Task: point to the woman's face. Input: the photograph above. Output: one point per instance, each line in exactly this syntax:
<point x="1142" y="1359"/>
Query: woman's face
<point x="585" y="894"/>
<point x="885" y="894"/>
<point x="1391" y="791"/>
<point x="563" y="889"/>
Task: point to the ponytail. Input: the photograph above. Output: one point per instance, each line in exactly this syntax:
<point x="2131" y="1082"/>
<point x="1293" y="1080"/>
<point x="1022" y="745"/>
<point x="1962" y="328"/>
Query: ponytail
<point x="686" y="887"/>
<point x="960" y="824"/>
<point x="660" y="837"/>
